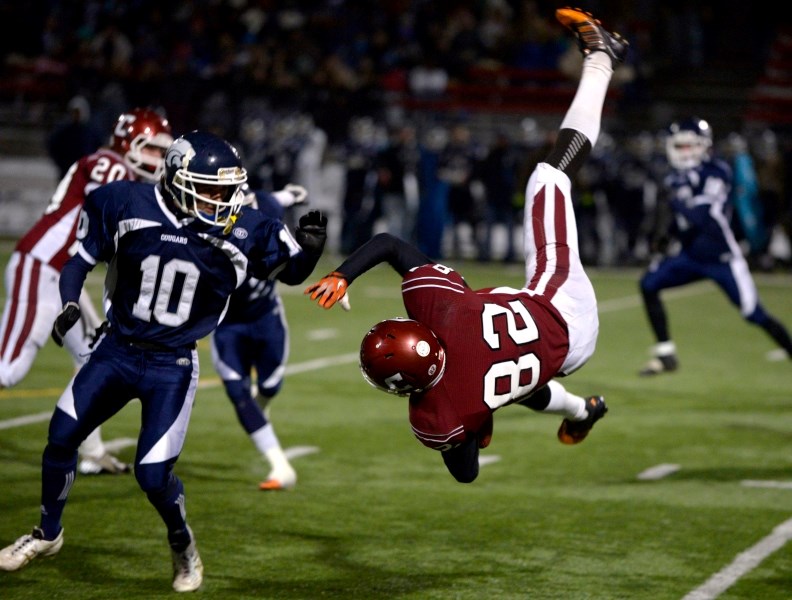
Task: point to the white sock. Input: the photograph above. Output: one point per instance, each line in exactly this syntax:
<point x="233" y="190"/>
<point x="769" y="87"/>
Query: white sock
<point x="92" y="446"/>
<point x="267" y="443"/>
<point x="664" y="348"/>
<point x="563" y="403"/>
<point x="585" y="112"/>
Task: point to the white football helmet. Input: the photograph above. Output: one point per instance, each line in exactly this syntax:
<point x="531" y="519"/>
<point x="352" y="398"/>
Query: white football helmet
<point x="688" y="143"/>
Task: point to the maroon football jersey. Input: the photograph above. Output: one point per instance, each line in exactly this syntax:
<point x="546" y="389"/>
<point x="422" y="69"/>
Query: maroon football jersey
<point x="51" y="238"/>
<point x="500" y="346"/>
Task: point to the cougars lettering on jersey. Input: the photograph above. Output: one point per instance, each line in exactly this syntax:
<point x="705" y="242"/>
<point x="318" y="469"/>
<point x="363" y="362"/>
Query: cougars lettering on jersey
<point x="509" y="344"/>
<point x="178" y="273"/>
<point x="52" y="239"/>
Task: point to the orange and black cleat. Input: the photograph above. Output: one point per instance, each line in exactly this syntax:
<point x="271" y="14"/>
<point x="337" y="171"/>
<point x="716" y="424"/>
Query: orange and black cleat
<point x="591" y="35"/>
<point x="574" y="432"/>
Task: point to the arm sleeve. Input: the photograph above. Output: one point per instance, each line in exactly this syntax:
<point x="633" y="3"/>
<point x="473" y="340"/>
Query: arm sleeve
<point x="298" y="268"/>
<point x="383" y="247"/>
<point x="72" y="278"/>
<point x="462" y="462"/>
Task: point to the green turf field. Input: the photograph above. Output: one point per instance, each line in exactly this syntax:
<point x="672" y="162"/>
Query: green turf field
<point x="375" y="515"/>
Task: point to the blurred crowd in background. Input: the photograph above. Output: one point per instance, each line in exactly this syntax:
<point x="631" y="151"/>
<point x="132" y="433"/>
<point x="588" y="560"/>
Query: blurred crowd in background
<point x="368" y="87"/>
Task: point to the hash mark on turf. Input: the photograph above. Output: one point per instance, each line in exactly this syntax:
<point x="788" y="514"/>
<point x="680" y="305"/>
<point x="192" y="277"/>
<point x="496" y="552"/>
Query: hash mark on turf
<point x="298" y="451"/>
<point x="784" y="485"/>
<point x="488" y="460"/>
<point x="658" y="472"/>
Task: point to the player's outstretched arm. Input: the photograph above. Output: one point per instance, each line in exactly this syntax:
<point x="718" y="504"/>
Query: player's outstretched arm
<point x="383" y="247"/>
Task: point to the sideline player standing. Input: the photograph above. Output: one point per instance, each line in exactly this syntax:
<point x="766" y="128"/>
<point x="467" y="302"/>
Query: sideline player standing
<point x="135" y="151"/>
<point x="463" y="354"/>
<point x="176" y="252"/>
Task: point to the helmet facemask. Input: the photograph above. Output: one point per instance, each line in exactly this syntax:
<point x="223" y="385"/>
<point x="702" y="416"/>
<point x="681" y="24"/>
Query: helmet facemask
<point x="142" y="136"/>
<point x="194" y="187"/>
<point x="148" y="165"/>
<point x="688" y="143"/>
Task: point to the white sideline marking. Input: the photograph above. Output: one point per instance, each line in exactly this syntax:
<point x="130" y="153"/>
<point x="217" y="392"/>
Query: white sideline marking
<point x="658" y="472"/>
<point x="488" y="460"/>
<point x="742" y="564"/>
<point x="782" y="485"/>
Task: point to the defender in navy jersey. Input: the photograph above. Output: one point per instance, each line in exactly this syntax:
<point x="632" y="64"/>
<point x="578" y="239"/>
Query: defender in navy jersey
<point x="175" y="254"/>
<point x="699" y="211"/>
<point x="463" y="354"/>
<point x="254" y="333"/>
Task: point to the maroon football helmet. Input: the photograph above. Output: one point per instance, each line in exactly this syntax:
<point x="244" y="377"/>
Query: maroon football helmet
<point x="401" y="356"/>
<point x="137" y="129"/>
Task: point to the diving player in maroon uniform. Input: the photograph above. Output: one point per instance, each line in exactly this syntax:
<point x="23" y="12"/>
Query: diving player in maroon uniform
<point x="463" y="354"/>
<point x="135" y="151"/>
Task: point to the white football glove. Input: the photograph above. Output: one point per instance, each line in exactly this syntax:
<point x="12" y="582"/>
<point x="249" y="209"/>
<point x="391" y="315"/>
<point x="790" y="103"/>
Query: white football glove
<point x="290" y="195"/>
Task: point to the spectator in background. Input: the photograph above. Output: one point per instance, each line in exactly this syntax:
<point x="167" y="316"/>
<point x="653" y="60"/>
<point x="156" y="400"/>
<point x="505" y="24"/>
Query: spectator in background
<point x="360" y="207"/>
<point x="457" y="169"/>
<point x="749" y="222"/>
<point x="397" y="181"/>
<point x="772" y="179"/>
<point x="75" y="137"/>
<point x="433" y="194"/>
<point x="498" y="172"/>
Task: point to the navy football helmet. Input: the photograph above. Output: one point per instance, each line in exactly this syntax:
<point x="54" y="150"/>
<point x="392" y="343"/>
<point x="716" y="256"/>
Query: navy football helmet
<point x="137" y="131"/>
<point x="401" y="356"/>
<point x="688" y="142"/>
<point x="204" y="177"/>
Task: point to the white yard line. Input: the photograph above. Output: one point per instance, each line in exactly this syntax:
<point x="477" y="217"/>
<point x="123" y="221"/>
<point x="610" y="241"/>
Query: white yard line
<point x="26" y="420"/>
<point x="743" y="563"/>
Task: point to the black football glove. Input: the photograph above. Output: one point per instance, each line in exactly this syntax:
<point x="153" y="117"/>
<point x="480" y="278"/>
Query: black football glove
<point x="311" y="233"/>
<point x="65" y="320"/>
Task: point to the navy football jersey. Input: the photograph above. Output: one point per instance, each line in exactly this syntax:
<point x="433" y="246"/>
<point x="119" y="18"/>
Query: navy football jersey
<point x="169" y="278"/>
<point x="256" y="297"/>
<point x="702" y="210"/>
